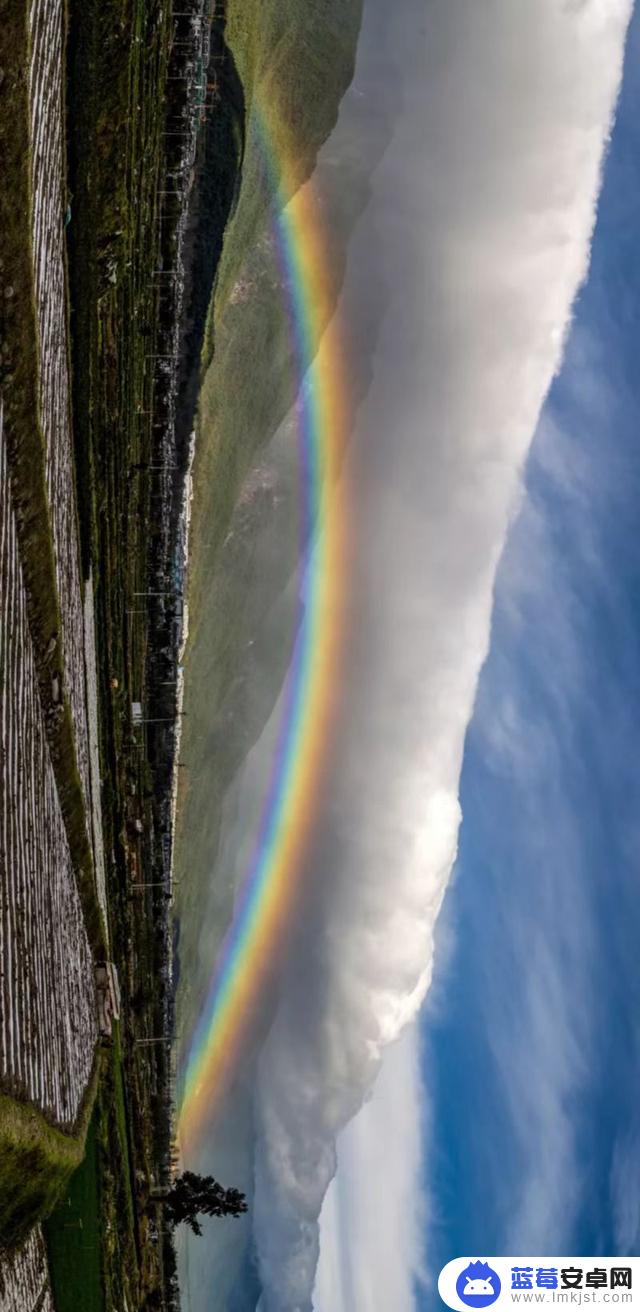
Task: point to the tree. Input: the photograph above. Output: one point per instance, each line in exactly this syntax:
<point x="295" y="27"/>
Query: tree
<point x="194" y="1194"/>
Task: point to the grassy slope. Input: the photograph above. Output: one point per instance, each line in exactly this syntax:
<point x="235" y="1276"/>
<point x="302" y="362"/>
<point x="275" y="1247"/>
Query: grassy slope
<point x="36" y="1161"/>
<point x="295" y="65"/>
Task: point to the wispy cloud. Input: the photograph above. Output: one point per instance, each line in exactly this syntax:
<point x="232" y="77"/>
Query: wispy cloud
<point x="624" y="1192"/>
<point x="551" y="755"/>
<point x="481" y="215"/>
<point x="540" y="998"/>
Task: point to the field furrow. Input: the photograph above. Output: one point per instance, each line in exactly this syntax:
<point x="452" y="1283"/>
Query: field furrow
<point x="47" y="999"/>
<point x="24" y="1278"/>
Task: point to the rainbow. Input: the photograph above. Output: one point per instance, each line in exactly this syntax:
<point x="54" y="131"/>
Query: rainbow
<point x="268" y="893"/>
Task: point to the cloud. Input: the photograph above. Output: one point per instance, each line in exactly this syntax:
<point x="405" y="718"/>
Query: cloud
<point x="543" y="1043"/>
<point x="549" y="781"/>
<point x="371" y="1232"/>
<point x="480" y="216"/>
<point x="624" y="1192"/>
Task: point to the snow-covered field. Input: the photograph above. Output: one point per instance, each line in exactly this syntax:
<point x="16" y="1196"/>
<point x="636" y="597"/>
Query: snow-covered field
<point x="24" y="1278"/>
<point x="47" y="999"/>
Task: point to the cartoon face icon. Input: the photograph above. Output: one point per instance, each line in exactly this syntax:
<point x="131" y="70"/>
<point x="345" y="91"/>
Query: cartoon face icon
<point x="478" y="1286"/>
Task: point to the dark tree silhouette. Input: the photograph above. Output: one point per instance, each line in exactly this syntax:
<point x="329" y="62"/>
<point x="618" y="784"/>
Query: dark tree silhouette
<point x="194" y="1194"/>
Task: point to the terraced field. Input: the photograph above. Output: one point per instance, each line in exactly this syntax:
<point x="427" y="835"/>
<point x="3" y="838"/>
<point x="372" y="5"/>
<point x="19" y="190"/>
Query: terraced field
<point x="47" y="1001"/>
<point x="109" y="415"/>
<point x="49" y="203"/>
<point x="24" y="1278"/>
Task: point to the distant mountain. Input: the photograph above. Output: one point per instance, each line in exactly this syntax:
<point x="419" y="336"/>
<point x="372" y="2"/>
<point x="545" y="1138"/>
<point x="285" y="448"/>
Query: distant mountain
<point x="295" y="63"/>
<point x="294" y="73"/>
<point x="244" y="536"/>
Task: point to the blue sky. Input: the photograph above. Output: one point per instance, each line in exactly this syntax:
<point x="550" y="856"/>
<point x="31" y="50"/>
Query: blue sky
<point x="531" y="1045"/>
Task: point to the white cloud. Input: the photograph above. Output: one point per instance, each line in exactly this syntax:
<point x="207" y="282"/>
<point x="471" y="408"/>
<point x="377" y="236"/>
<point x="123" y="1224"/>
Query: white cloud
<point x="480" y="218"/>
<point x="544" y="1051"/>
<point x="371" y="1232"/>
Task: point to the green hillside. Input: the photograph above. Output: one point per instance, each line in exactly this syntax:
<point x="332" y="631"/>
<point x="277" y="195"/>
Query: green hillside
<point x="295" y="66"/>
